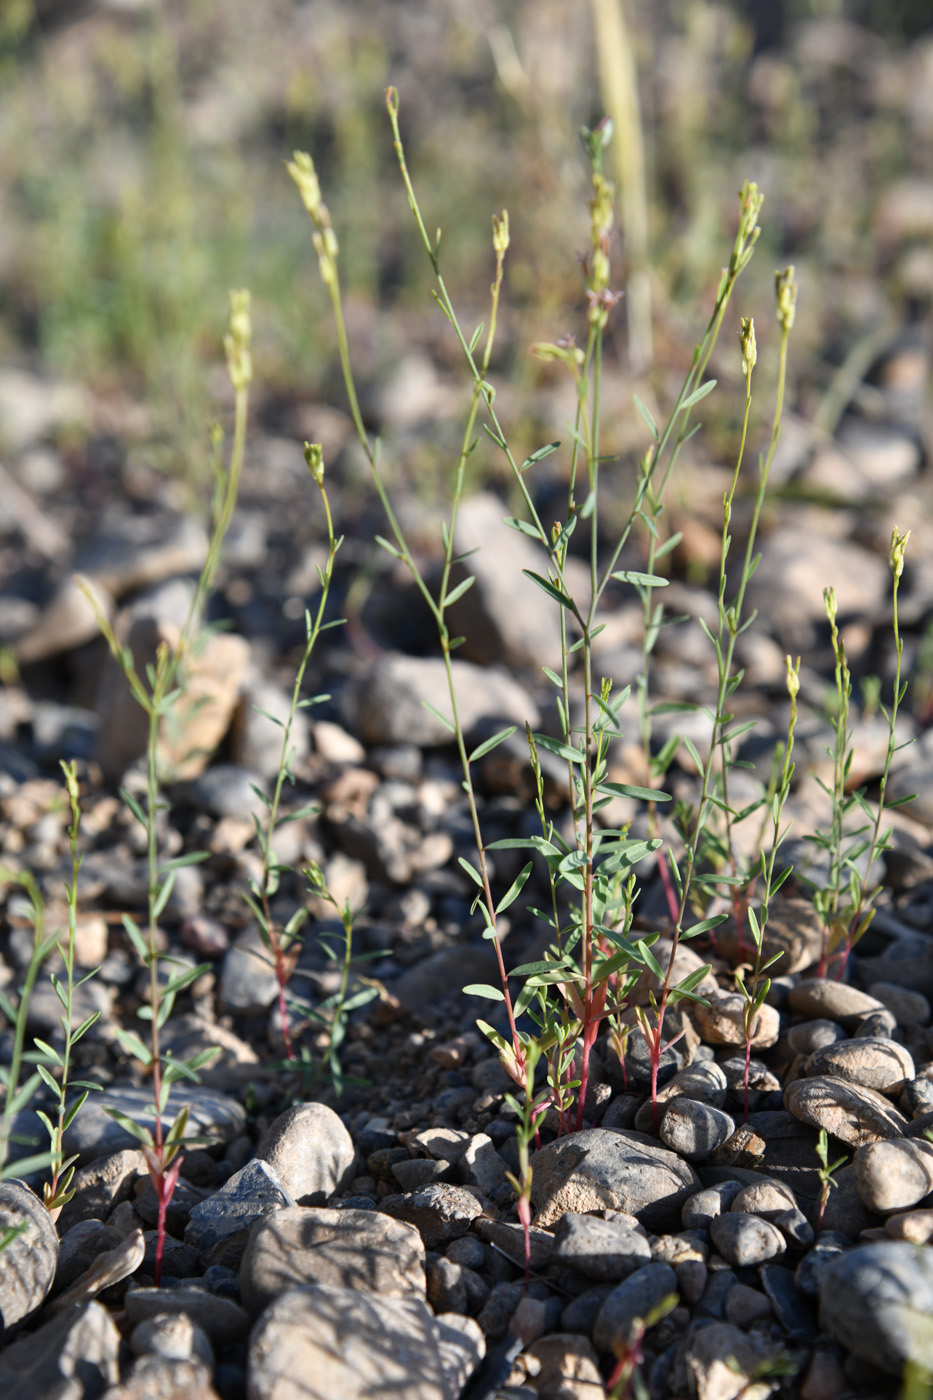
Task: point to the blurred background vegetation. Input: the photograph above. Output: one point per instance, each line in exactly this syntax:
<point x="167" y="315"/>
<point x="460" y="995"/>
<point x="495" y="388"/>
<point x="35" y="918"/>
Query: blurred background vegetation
<point x="141" y="176"/>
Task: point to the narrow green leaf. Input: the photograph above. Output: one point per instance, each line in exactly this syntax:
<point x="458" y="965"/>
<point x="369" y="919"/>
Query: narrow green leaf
<point x="523" y="527"/>
<point x="135" y="936"/>
<point x="704" y="926"/>
<point x="539" y="455"/>
<point x="178" y="862"/>
<point x="646" y="414"/>
<point x="438" y="716"/>
<point x="668" y="545"/>
<point x="162" y="898"/>
<point x="698" y="394"/>
<point x="481" y="989"/>
<point x="643" y="580"/>
<point x="471" y="870"/>
<point x="389" y="548"/>
<point x="459" y="591"/>
<point x="488" y="745"/>
<point x="73" y="1111"/>
<point x="515" y="889"/>
<point x="132" y="1044"/>
<point x="550" y="588"/>
<point x="627" y="790"/>
<point x="135" y="1129"/>
<point x="544" y="741"/>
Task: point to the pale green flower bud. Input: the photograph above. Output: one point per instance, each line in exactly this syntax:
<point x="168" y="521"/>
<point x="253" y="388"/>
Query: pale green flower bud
<point x="237" y="341"/>
<point x="500" y="233"/>
<point x="314" y="456"/>
<point x="301" y="169"/>
<point x="898" y="549"/>
<point x="749" y="346"/>
<point x="786" y="288"/>
<point x="793" y="676"/>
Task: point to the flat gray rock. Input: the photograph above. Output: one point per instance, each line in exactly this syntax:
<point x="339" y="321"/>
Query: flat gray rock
<point x="832" y="1001"/>
<point x="315" y="1343"/>
<point x="850" y="1113"/>
<point x="94" y="1133"/>
<point x="222" y="1321"/>
<point x="877" y="1300"/>
<point x="505" y="616"/>
<point x="75" y="1354"/>
<point x="607" y="1168"/>
<point x="894" y="1175"/>
<point x="605" y="1250"/>
<point x="338" y="1248"/>
<point x="874" y="1062"/>
<point x="219" y="1226"/>
<point x="695" y="1129"/>
<point x="635" y="1297"/>
<point x="311" y="1150"/>
<point x="388" y="708"/>
<point x="27" y="1265"/>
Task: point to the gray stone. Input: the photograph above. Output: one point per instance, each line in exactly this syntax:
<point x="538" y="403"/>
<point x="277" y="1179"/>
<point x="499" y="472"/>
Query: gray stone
<point x="504" y="616"/>
<point x="581" y="1313"/>
<point x="793" y="934"/>
<point x="172" y="1336"/>
<point x="605" y="1250"/>
<point x="722" y="1021"/>
<point x="788" y="586"/>
<point x="247" y="975"/>
<point x="606" y="1168"/>
<point x="833" y="1001"/>
<point x="442" y="974"/>
<point x="634" y="1298"/>
<point x="27" y="1265"/>
<point x="79" y="1248"/>
<point x="569" y="1368"/>
<point x="440" y="1212"/>
<point x="702" y="1208"/>
<point x="877" y="1300"/>
<point x="894" y="1175"/>
<point x="810" y="1036"/>
<point x="508" y="1239"/>
<point x="219" y="1226"/>
<point x="829" y="1246"/>
<point x="221" y="1320"/>
<point x="446" y="1286"/>
<point x="386" y="707"/>
<point x="745" y="1240"/>
<point x="314" y="1343"/>
<point x="94" y="1134"/>
<point x="795" y="1315"/>
<point x="340" y="1248"/>
<point x="311" y="1150"/>
<point x="481" y="1165"/>
<point x="721" y="1362"/>
<point x="74" y="1355"/>
<point x="871" y="1061"/>
<point x="911" y="1008"/>
<point x="848" y="1112"/>
<point x="227" y="790"/>
<point x="158" y="1377"/>
<point x="694" y="1129"/>
<point x="703" y="1080"/>
<point x="257" y="739"/>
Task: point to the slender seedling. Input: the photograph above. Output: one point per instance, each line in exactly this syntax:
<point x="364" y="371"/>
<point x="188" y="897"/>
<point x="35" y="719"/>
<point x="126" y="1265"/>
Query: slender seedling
<point x="156" y="695"/>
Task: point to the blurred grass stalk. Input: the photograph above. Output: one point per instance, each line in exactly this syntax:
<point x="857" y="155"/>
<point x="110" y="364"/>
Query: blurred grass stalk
<point x="618" y="85"/>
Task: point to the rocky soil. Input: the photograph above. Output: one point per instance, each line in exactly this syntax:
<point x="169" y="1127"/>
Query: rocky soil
<point x="365" y="1243"/>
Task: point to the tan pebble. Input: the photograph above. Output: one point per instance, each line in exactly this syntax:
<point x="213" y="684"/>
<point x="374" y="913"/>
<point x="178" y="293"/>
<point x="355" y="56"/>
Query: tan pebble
<point x="913" y="1225"/>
